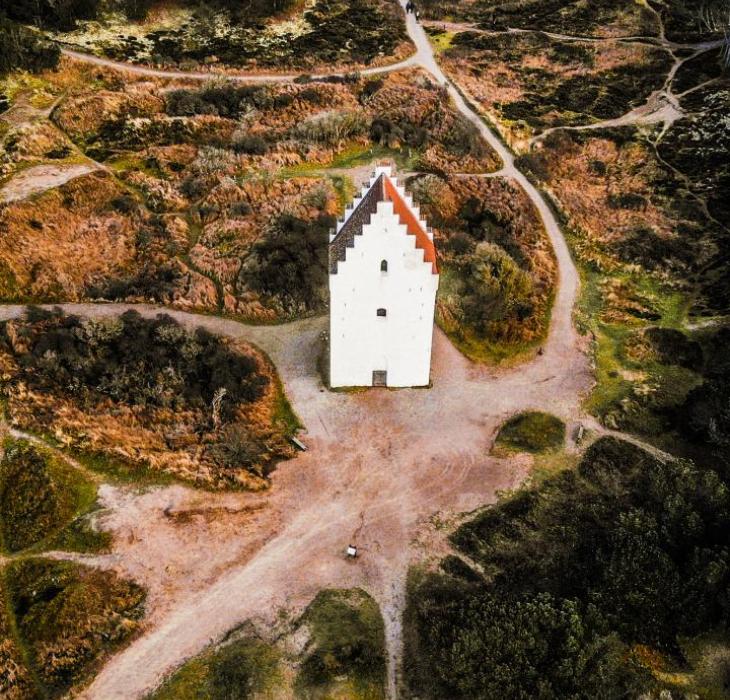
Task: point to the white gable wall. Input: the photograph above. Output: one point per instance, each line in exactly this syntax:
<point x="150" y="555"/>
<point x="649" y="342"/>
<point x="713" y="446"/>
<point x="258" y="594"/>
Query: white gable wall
<point x="400" y="343"/>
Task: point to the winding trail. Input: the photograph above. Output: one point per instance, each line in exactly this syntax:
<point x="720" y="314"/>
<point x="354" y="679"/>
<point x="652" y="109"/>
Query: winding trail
<point x="135" y="69"/>
<point x="380" y="463"/>
<point x="563" y="336"/>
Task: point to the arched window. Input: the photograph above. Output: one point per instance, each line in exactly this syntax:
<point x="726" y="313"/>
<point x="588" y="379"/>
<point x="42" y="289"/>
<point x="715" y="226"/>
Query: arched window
<point x="382" y="312"/>
<point x="383" y="265"/>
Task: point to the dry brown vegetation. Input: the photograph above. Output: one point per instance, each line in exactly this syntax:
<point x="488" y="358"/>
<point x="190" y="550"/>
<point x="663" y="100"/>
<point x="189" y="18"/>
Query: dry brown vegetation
<point x="59" y="243"/>
<point x="294" y="35"/>
<point x="210" y="411"/>
<point x="529" y="82"/>
<point x="59" y="621"/>
<point x="629" y="212"/>
<point x="199" y="182"/>
<point x="600" y="18"/>
<point x="498" y="268"/>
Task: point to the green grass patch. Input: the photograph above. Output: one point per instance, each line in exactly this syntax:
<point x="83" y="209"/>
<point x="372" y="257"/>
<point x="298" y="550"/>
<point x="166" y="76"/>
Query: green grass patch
<point x="531" y="431"/>
<point x="441" y="40"/>
<point x="632" y="392"/>
<point x="43" y="501"/>
<point x="284" y="413"/>
<point x="548" y="464"/>
<point x="69" y="617"/>
<point x="237" y="670"/>
<point x="346" y="654"/>
<point x="353" y="156"/>
<point x="120" y="471"/>
<point x="16" y="680"/>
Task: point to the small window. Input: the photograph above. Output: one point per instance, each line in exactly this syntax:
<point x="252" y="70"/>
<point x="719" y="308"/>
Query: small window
<point x="382" y="312"/>
<point x="383" y="265"/>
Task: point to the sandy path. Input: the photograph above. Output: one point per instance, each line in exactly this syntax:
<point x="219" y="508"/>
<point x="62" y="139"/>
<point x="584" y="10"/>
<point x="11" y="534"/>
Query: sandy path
<point x="212" y="75"/>
<point x="563" y="339"/>
<point x="380" y="462"/>
<point x="388" y="460"/>
<point x="40" y="178"/>
<point x="661" y="107"/>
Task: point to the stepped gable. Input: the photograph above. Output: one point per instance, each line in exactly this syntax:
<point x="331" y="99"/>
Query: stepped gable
<point x="382" y="190"/>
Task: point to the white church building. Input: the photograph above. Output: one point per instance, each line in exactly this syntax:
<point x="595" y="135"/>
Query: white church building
<point x="382" y="280"/>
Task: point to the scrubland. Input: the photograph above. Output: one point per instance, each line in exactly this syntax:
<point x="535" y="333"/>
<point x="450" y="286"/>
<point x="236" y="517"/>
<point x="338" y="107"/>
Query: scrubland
<point x="334" y="649"/>
<point x="208" y="411"/>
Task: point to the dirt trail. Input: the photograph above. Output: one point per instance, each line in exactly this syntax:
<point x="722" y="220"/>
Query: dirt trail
<point x="661" y="107"/>
<point x="380" y="463"/>
<point x="563" y="338"/>
<point x="40" y="178"/>
<point x="135" y="69"/>
<point x="383" y="461"/>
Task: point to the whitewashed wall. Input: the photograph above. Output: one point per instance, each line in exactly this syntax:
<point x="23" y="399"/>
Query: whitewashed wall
<point x="360" y="341"/>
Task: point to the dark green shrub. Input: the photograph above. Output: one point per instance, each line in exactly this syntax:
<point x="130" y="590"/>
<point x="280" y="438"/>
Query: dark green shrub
<point x="69" y="616"/>
<point x="291" y="262"/>
<point x="348" y="639"/>
<point x="252" y="144"/>
<point x="482" y="646"/>
<point x="51" y="14"/>
<point x="226" y="100"/>
<point x="532" y="431"/>
<point x="492" y="288"/>
<point x="673" y="347"/>
<point x="626" y="550"/>
<point x="24" y="49"/>
<point x="181" y="368"/>
<point x="30" y="507"/>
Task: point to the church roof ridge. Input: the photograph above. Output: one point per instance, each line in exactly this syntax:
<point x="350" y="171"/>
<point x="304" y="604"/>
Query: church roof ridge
<point x="385" y="187"/>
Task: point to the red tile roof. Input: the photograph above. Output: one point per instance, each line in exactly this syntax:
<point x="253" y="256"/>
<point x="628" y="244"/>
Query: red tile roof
<point x="414" y="226"/>
<point x="381" y="191"/>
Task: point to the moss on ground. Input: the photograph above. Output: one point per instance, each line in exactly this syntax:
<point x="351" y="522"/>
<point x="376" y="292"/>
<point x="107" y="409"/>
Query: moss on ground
<point x="16" y="682"/>
<point x="645" y="364"/>
<point x="346" y="654"/>
<point x="64" y="618"/>
<point x="44" y="501"/>
<point x="241" y="669"/>
<point x="531" y="431"/>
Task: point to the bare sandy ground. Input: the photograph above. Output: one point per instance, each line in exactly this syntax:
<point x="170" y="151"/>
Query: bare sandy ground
<point x="40" y="178"/>
<point x="381" y="464"/>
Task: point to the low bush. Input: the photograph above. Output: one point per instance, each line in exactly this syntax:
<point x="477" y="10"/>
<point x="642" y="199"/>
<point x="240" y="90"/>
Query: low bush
<point x="347" y="641"/>
<point x="492" y="288"/>
<point x="51" y="14"/>
<point x="134" y="361"/>
<point x="69" y="617"/>
<point x="39" y="495"/>
<point x="221" y="99"/>
<point x="532" y="431"/>
<point x="333" y="127"/>
<point x="625" y="551"/>
<point x="22" y="49"/>
<point x="237" y="670"/>
<point x="178" y="396"/>
<point x="290" y="262"/>
<point x="16" y="682"/>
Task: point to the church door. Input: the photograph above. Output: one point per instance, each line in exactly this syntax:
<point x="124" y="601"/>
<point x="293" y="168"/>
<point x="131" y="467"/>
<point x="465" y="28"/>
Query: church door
<point x="380" y="378"/>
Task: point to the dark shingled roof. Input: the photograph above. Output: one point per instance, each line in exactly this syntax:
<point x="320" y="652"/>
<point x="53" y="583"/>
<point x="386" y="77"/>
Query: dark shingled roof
<point x="345" y="238"/>
<point x="382" y="190"/>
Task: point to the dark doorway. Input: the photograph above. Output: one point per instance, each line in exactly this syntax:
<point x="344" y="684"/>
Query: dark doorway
<point x="380" y="378"/>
